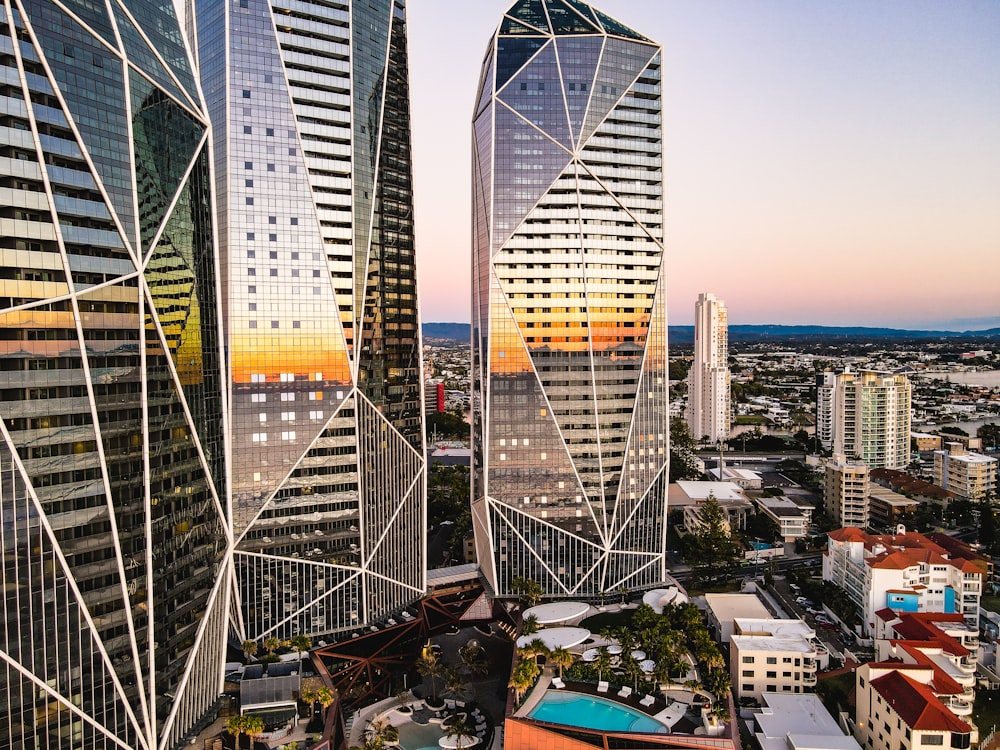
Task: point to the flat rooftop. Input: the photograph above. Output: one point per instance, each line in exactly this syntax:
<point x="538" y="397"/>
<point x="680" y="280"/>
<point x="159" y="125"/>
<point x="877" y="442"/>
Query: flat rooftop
<point x="728" y="607"/>
<point x="799" y="722"/>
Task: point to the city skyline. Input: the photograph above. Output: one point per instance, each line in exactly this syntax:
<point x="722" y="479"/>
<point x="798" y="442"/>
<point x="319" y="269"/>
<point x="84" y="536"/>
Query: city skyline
<point x="802" y="143"/>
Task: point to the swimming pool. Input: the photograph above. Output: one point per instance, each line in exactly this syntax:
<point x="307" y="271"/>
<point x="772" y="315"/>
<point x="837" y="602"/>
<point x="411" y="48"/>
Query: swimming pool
<point x="419" y="737"/>
<point x="591" y="712"/>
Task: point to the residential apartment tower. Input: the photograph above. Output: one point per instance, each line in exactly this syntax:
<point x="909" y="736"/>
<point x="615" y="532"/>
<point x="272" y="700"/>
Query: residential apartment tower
<point x="709" y="411"/>
<point x="115" y="533"/>
<point x="569" y="304"/>
<point x="310" y="106"/>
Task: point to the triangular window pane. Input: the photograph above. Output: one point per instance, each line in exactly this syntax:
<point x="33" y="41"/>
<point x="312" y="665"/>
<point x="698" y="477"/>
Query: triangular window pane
<point x="158" y="21"/>
<point x="510" y="27"/>
<point x="621" y="64"/>
<point x="531" y="12"/>
<point x="94" y="13"/>
<point x="617" y="27"/>
<point x="582" y="8"/>
<point x="142" y="57"/>
<point x="536" y="94"/>
<point x="567" y="21"/>
<point x="526" y="162"/>
<point x="166" y="139"/>
<point x="513" y="53"/>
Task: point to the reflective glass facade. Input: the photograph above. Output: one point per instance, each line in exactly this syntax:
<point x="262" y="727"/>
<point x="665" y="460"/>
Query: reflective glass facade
<point x="310" y="107"/>
<point x="113" y="526"/>
<point x="569" y="304"/>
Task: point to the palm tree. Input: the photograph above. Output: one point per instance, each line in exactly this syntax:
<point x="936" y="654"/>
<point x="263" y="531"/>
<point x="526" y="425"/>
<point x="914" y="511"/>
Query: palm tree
<point x="271" y="645"/>
<point x="474" y="659"/>
<point x="534" y="648"/>
<point x="529" y="626"/>
<point x="254" y="728"/>
<point x="460" y="727"/>
<point x="523" y="677"/>
<point x="300" y="643"/>
<point x="630" y="665"/>
<point x="325" y="697"/>
<point x="431" y="666"/>
<point x="236" y="725"/>
<point x="380" y="732"/>
<point x="561" y="657"/>
<point x="603" y="662"/>
<point x="249" y="649"/>
<point x="309" y="696"/>
<point x="454" y="684"/>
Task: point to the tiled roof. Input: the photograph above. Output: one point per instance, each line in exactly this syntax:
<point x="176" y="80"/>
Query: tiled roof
<point x="942" y="683"/>
<point x="917" y="705"/>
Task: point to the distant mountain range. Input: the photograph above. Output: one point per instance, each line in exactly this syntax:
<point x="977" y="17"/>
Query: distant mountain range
<point x="685" y="334"/>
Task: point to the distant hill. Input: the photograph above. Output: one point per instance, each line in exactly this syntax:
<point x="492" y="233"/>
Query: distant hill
<point x="685" y="334"/>
<point x="451" y="331"/>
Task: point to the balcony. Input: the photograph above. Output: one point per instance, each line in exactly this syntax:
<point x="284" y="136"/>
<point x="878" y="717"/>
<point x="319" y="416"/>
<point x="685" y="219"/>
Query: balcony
<point x="959" y="706"/>
<point x="809" y="680"/>
<point x="809" y="665"/>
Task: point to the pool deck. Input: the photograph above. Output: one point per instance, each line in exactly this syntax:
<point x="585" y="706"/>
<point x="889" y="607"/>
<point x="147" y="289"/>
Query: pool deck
<point x="665" y="713"/>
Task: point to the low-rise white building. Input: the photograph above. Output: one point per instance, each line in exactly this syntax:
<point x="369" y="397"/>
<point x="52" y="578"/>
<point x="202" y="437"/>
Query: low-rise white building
<point x="792" y="519"/>
<point x="745" y="478"/>
<point x="798" y="722"/>
<point x="692" y="495"/>
<point x="724" y="609"/>
<point x="774" y="656"/>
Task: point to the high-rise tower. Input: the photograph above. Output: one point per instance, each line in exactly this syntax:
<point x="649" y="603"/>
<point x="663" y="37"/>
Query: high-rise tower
<point x="113" y="521"/>
<point x="569" y="304"/>
<point x="708" y="409"/>
<point x="310" y="107"/>
<point x="865" y="416"/>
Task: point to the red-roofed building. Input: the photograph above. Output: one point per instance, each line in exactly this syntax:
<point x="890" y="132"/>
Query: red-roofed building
<point x="904" y="572"/>
<point x="899" y="706"/>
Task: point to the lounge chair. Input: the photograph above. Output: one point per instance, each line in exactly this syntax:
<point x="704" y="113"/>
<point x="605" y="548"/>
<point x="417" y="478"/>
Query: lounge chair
<point x="460" y="704"/>
<point x="602" y="686"/>
<point x="449" y="705"/>
<point x="648" y="700"/>
<point x="625" y="692"/>
<point x="557" y="683"/>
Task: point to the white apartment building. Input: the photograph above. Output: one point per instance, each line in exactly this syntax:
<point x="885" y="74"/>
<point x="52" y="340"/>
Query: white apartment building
<point x="904" y="572"/>
<point x="774" y="656"/>
<point x="791" y="519"/>
<point x="709" y="411"/>
<point x="971" y="475"/>
<point x="865" y="415"/>
<point x="898" y="707"/>
<point x="845" y="491"/>
<point x="725" y="609"/>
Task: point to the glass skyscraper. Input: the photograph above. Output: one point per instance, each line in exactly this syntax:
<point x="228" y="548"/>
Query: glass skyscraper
<point x="310" y="106"/>
<point x="569" y="304"/>
<point x="114" y="530"/>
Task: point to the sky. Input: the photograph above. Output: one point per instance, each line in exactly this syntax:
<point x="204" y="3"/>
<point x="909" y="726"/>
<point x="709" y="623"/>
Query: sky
<point x="825" y="162"/>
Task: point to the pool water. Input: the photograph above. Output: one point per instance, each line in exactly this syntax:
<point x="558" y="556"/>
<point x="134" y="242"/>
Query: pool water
<point x="591" y="712"/>
<point x="417" y="737"/>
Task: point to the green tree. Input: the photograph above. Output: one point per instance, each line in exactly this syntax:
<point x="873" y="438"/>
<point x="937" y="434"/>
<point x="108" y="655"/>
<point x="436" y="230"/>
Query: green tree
<point x="711" y="550"/>
<point x="534" y="648"/>
<point x="249" y="649"/>
<point x="432" y="667"/>
<point x="474" y="659"/>
<point x="990" y="435"/>
<point x="523" y="677"/>
<point x="528" y="590"/>
<point x="603" y="662"/>
<point x="529" y="626"/>
<point x="253" y="728"/>
<point x="561" y="657"/>
<point x="300" y="643"/>
<point x="988" y="526"/>
<point x="380" y="732"/>
<point x="271" y="645"/>
<point x="236" y="725"/>
<point x="682" y="459"/>
<point x="325" y="698"/>
<point x="462" y="730"/>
